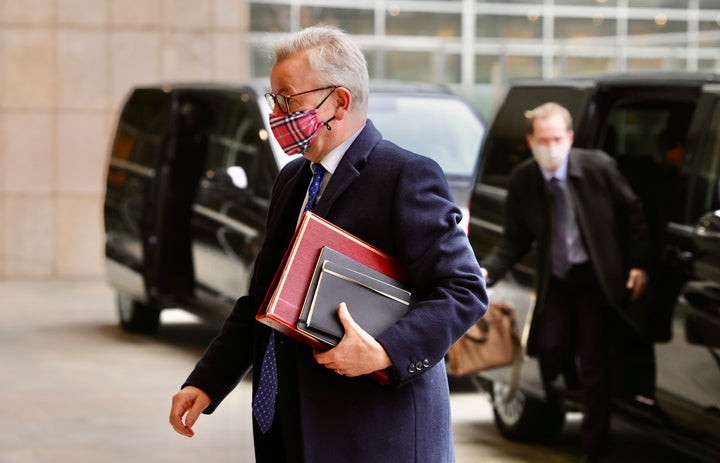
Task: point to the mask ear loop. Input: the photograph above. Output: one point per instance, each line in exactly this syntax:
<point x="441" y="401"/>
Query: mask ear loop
<point x="327" y="122"/>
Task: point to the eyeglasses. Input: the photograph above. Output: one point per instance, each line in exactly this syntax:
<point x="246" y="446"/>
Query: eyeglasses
<point x="284" y="101"/>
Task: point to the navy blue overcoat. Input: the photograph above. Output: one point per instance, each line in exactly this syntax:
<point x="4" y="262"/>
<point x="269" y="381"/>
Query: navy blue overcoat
<point x="399" y="202"/>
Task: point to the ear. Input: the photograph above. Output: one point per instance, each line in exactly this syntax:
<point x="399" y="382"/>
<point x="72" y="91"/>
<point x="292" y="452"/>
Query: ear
<point x="343" y="98"/>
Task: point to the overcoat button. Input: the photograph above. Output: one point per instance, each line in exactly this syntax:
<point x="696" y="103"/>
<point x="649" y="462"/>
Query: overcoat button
<point x="411" y="368"/>
<point x="419" y="366"/>
<point x="426" y="363"/>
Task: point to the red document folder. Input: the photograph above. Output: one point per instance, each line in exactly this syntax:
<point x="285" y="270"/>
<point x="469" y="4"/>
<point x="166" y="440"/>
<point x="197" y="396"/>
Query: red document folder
<point x="285" y="298"/>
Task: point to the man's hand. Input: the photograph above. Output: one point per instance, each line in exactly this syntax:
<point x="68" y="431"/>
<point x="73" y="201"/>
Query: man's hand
<point x="637" y="280"/>
<point x="192" y="401"/>
<point x="357" y="353"/>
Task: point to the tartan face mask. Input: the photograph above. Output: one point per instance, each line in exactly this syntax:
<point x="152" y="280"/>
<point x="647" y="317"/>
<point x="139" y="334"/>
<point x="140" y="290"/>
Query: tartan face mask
<point x="296" y="131"/>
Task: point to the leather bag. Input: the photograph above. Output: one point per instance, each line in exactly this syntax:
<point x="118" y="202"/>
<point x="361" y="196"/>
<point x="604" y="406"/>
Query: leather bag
<point x="493" y="342"/>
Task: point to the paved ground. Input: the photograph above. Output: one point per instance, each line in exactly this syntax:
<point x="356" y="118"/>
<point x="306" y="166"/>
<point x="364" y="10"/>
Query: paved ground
<point x="75" y="388"/>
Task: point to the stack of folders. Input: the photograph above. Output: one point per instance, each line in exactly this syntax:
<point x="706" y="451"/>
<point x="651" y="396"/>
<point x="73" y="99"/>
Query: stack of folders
<point x="374" y="300"/>
<point x="324" y="266"/>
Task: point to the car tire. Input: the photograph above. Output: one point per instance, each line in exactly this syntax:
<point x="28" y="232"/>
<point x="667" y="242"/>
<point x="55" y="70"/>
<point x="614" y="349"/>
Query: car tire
<point x="524" y="418"/>
<point x="137" y="317"/>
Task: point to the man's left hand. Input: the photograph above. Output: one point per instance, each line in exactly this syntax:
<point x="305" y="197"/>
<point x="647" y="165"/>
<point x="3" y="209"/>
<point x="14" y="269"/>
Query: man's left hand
<point x="357" y="353"/>
<point x="637" y="280"/>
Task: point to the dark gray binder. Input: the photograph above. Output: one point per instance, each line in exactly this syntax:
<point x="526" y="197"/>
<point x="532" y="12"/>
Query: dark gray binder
<point x="374" y="300"/>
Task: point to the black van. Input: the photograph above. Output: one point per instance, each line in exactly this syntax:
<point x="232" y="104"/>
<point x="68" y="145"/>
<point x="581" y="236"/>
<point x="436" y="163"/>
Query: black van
<point x="664" y="132"/>
<point x="189" y="178"/>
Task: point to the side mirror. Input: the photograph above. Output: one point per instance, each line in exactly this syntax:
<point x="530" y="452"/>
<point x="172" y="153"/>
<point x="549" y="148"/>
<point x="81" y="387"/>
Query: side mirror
<point x="706" y="234"/>
<point x="234" y="176"/>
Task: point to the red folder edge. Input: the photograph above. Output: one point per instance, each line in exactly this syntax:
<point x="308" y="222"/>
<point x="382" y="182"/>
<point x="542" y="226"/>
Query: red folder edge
<point x="284" y="300"/>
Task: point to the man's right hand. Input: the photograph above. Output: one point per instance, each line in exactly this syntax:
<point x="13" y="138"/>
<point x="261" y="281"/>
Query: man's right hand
<point x="192" y="401"/>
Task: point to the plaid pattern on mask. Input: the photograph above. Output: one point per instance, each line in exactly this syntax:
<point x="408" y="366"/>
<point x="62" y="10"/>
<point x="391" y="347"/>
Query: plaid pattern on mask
<point x="296" y="131"/>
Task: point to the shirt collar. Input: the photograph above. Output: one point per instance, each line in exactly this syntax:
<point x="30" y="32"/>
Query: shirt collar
<point x="332" y="159"/>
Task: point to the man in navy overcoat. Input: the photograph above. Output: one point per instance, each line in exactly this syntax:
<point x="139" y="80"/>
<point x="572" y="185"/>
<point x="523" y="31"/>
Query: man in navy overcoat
<point x="326" y="409"/>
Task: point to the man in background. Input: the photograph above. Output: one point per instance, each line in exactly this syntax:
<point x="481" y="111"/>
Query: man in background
<point x="591" y="241"/>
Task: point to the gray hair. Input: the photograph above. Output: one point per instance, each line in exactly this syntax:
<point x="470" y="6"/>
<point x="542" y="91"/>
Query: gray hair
<point x="334" y="58"/>
<point x="547" y="110"/>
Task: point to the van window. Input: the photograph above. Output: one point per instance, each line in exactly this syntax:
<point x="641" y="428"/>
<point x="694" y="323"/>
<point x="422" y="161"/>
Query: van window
<point x="225" y="129"/>
<point x="238" y="138"/>
<point x="140" y="127"/>
<point x="505" y="146"/>
<point x="709" y="170"/>
<point x="448" y="131"/>
<point x="647" y="138"/>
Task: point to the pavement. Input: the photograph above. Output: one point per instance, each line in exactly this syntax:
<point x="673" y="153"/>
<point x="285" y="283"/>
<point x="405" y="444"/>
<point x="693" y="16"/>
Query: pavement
<point x="76" y="388"/>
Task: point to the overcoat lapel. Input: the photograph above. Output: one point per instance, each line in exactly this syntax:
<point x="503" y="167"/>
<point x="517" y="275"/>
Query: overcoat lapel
<point x="349" y="168"/>
<point x="287" y="205"/>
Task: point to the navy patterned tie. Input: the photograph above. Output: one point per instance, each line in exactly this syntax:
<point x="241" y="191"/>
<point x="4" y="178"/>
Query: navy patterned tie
<point x="264" y="400"/>
<point x="315" y="187"/>
<point x="559" y="248"/>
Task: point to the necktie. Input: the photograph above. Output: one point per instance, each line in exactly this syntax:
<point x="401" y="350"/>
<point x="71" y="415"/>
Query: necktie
<point x="314" y="187"/>
<point x="264" y="400"/>
<point x="559" y="247"/>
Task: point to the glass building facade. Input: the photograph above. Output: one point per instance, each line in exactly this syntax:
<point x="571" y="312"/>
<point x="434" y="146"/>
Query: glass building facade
<point x="476" y="46"/>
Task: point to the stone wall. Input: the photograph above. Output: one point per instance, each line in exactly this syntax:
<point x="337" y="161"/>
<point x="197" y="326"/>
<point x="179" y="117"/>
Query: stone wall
<point x="65" y="68"/>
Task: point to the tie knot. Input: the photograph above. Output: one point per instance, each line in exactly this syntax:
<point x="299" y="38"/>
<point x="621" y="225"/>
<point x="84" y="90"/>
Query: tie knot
<point x="319" y="170"/>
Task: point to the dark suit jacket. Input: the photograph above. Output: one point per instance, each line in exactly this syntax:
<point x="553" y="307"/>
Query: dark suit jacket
<point x="399" y="202"/>
<point x="609" y="215"/>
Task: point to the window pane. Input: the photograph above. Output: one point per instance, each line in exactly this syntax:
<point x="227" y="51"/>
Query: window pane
<point x="510" y="27"/>
<point x="511" y="1"/>
<point x="709" y="64"/>
<point x="429" y="24"/>
<point x="431" y="66"/>
<point x="353" y="21"/>
<point x="523" y="66"/>
<point x="641" y="64"/>
<point x="586" y="2"/>
<point x="578" y="28"/>
<point x="269" y="18"/>
<point x="660" y="25"/>
<point x="486" y="69"/>
<point x="657" y="4"/>
<point x="712" y="28"/>
<point x="411" y="66"/>
<point x="261" y="61"/>
<point x="574" y="66"/>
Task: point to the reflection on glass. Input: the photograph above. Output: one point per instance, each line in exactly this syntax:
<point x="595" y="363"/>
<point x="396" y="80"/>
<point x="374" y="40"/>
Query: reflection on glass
<point x="428" y="24"/>
<point x="509" y="27"/>
<point x="351" y="20"/>
<point x="659" y="26"/>
<point x="523" y="66"/>
<point x="578" y="66"/>
<point x="269" y="18"/>
<point x="579" y="28"/>
<point x="443" y="129"/>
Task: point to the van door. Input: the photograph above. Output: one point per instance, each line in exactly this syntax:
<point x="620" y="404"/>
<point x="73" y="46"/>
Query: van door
<point x="135" y="158"/>
<point x="689" y="362"/>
